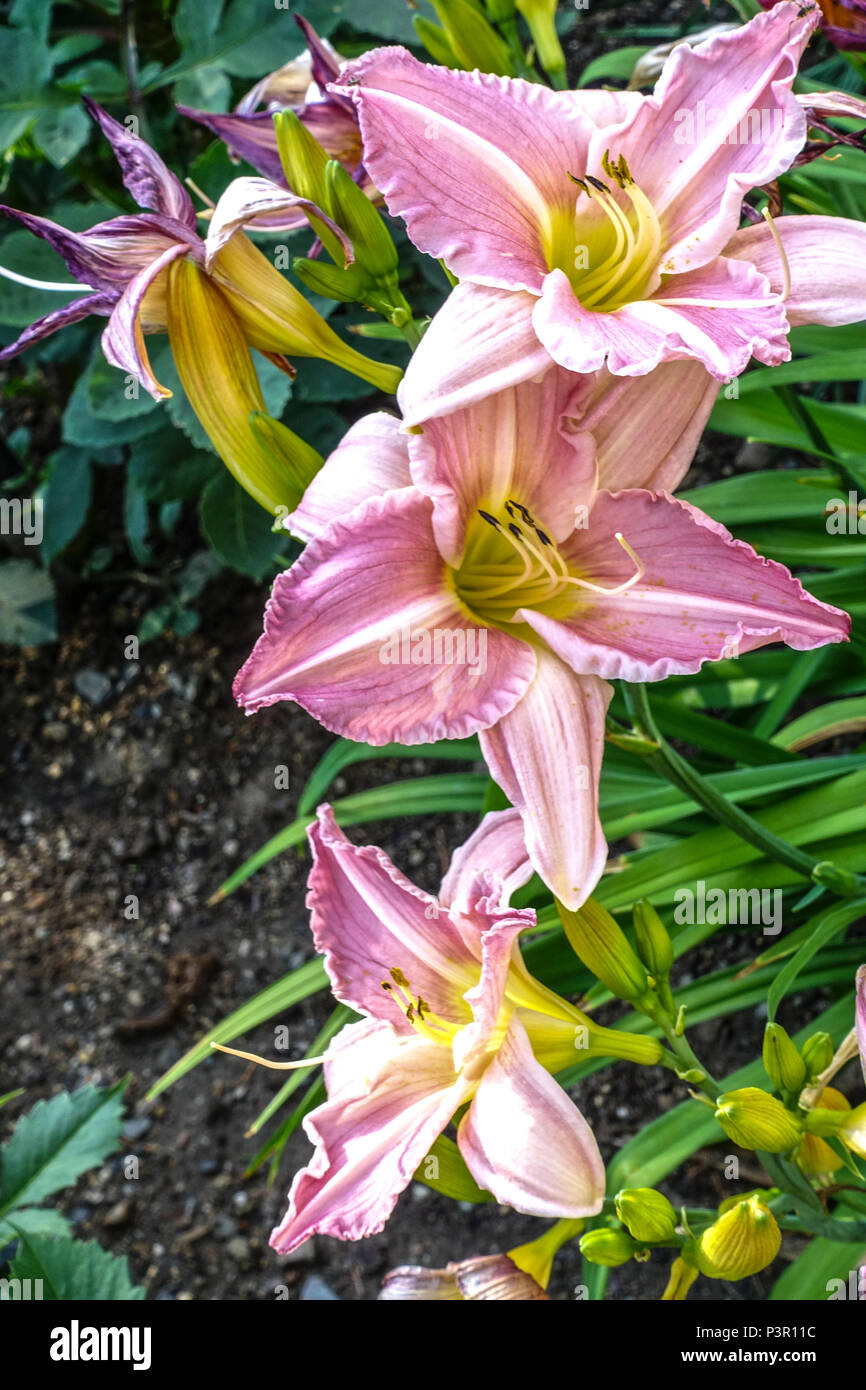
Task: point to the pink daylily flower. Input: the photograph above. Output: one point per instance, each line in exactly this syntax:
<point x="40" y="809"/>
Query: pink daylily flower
<point x="496" y="527"/>
<point x="604" y="226"/>
<point x="860" y="1010"/>
<point x="452" y="1017"/>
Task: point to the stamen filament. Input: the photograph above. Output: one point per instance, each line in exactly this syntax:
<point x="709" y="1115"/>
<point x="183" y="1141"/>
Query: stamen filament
<point x="264" y="1062"/>
<point x="57" y="286"/>
<point x="786" y="269"/>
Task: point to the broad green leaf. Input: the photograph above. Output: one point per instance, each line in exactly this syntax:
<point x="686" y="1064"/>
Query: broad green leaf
<point x="619" y="63"/>
<point x="27" y="614"/>
<point x="57" y="1141"/>
<point x="25" y="67"/>
<point x="239" y="530"/>
<point x="36" y="1221"/>
<point x="65" y="500"/>
<point x="74" y="1270"/>
<point x="808" y="1278"/>
<point x="60" y="132"/>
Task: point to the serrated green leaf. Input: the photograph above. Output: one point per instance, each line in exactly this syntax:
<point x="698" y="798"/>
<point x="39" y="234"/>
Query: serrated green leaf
<point x="36" y="1221"/>
<point x="57" y="1141"/>
<point x="74" y="1271"/>
<point x="238" y="528"/>
<point x="66" y="500"/>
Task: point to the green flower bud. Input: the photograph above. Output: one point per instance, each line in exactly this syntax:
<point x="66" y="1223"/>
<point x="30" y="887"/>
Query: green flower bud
<point x="347" y="285"/>
<point x="605" y="1246"/>
<point x="756" y="1120"/>
<point x="782" y="1061"/>
<point x="647" y="1214"/>
<point x="743" y="1240"/>
<point x="817" y="1053"/>
<point x="476" y="44"/>
<point x="352" y="210"/>
<point x="600" y="943"/>
<point x="838" y="880"/>
<point x="654" y="945"/>
<point x="540" y="16"/>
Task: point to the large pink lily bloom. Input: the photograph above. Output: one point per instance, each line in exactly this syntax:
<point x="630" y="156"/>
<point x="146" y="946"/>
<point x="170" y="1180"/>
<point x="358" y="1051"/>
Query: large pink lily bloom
<point x="601" y="228"/>
<point x="452" y="1017"/>
<point x="494" y="527"/>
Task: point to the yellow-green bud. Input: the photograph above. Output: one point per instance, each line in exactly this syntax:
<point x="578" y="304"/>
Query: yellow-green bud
<point x="843" y="1122"/>
<point x="352" y="210"/>
<point x="304" y="163"/>
<point x="540" y="16"/>
<point x="330" y="281"/>
<point x="782" y="1061"/>
<point x="755" y="1120"/>
<point x="475" y="42"/>
<point x="743" y="1240"/>
<point x="601" y="944"/>
<point x="837" y="879"/>
<point x="647" y="1214"/>
<point x="654" y="945"/>
<point x="605" y="1246"/>
<point x="817" y="1053"/>
<point x="499" y="10"/>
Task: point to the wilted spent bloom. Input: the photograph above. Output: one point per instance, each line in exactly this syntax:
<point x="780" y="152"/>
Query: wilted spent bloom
<point x="650" y="65"/>
<point x="606" y="1246"/>
<point x="782" y="1060"/>
<point x="756" y="1120"/>
<point x="647" y="1214"/>
<point x="744" y="1239"/>
<point x="481" y="1278"/>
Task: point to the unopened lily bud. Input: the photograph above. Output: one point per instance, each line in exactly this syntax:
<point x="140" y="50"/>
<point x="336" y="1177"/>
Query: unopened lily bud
<point x="304" y="163"/>
<point x="481" y="1278"/>
<point x="499" y="10"/>
<point x="475" y="42"/>
<point x="647" y="1214"/>
<point x="540" y="16"/>
<point x="352" y="210"/>
<point x="654" y="945"/>
<point x="837" y="879"/>
<point x="743" y="1240"/>
<point x="817" y="1053"/>
<point x="683" y="1275"/>
<point x="782" y="1061"/>
<point x="605" y="1246"/>
<point x="330" y="281"/>
<point x="601" y="944"/>
<point x="756" y="1120"/>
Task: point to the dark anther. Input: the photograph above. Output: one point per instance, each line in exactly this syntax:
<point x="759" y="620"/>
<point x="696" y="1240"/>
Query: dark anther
<point x="580" y="183"/>
<point x="509" y="507"/>
<point x="597" y="183"/>
<point x="385" y="985"/>
<point x="515" y="530"/>
<point x="491" y="520"/>
<point x="545" y="540"/>
<point x="524" y="511"/>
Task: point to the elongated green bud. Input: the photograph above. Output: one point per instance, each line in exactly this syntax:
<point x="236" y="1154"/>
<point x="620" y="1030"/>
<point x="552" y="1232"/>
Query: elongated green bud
<point x="837" y="879"/>
<point x="435" y="40"/>
<point x="782" y="1061"/>
<point x="352" y="210"/>
<point x="539" y="15"/>
<point x="499" y="10"/>
<point x="654" y="945"/>
<point x="817" y="1054"/>
<point x="605" y="1246"/>
<point x="475" y="42"/>
<point x="647" y="1214"/>
<point x="304" y="163"/>
<point x="756" y="1120"/>
<point x="601" y="944"/>
<point x="348" y="286"/>
<point x="745" y="1239"/>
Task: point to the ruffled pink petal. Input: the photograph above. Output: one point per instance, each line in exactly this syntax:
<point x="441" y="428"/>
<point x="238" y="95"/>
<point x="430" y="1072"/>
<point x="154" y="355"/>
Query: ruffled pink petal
<point x="486" y="998"/>
<point x="827" y="260"/>
<point x="860" y="1010"/>
<point x="151" y="184"/>
<point x="123" y="338"/>
<point x="367" y="920"/>
<point x="546" y="756"/>
<point x="58" y="318"/>
<point x="371" y="1137"/>
<point x="259" y="203"/>
<point x="343" y="624"/>
<point x="371" y="459"/>
<point x="475" y="164"/>
<point x="479" y="343"/>
<point x="718" y="315"/>
<point x="495" y="853"/>
<point x="511" y="445"/>
<point x="721" y="120"/>
<point x="703" y="595"/>
<point x="646" y="428"/>
<point x="526" y="1142"/>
